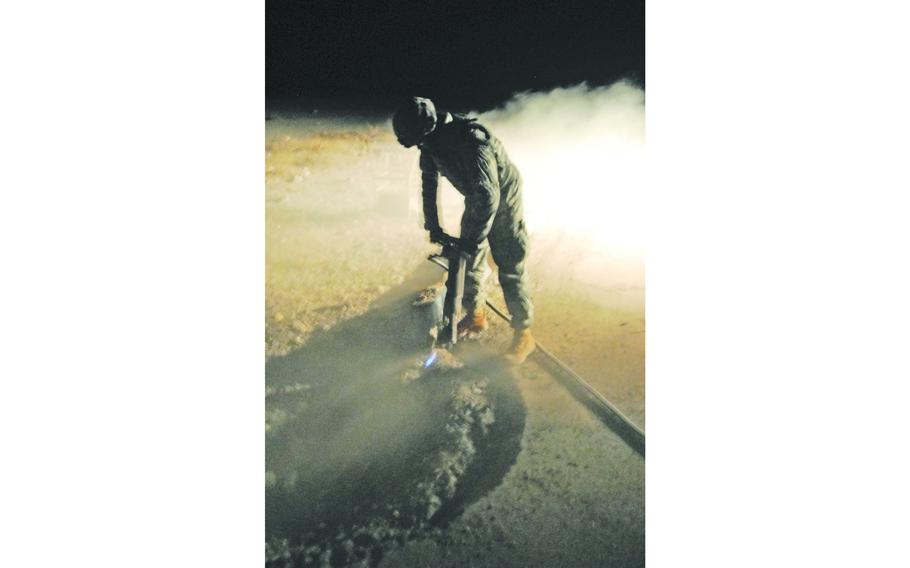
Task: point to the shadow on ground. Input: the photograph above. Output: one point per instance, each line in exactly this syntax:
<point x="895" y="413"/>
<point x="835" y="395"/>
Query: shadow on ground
<point x="362" y="448"/>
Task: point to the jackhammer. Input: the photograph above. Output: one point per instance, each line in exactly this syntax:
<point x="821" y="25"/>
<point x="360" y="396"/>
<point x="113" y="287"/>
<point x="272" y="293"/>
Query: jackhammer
<point x="447" y="335"/>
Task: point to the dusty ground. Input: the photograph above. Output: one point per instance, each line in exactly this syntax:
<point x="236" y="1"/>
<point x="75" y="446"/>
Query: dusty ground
<point x="372" y="461"/>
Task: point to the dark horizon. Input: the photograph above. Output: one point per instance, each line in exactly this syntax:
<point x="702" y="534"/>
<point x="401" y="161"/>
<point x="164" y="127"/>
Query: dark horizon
<point x="471" y="55"/>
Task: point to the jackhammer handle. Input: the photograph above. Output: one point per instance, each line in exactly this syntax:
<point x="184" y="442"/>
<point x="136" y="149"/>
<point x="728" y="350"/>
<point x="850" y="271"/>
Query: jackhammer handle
<point x="448" y="241"/>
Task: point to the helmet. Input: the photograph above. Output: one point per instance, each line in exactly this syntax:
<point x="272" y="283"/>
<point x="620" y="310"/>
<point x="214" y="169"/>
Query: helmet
<point x="414" y="120"/>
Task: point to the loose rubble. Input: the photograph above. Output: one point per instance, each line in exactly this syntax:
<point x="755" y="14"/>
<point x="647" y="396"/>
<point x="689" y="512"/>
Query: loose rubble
<point x="378" y="529"/>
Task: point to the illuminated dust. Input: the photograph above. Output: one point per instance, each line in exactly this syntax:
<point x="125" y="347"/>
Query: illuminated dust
<point x="383" y="452"/>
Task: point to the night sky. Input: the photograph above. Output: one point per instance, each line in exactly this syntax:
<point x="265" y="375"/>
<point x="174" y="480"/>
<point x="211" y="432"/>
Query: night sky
<point x="461" y="54"/>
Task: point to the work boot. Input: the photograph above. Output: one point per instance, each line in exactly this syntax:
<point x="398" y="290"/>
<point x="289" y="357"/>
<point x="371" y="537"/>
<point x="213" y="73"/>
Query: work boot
<point x="473" y="323"/>
<point x="522" y="346"/>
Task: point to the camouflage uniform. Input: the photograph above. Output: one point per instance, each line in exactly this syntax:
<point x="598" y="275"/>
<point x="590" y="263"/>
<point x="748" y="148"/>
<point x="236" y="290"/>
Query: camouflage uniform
<point x="476" y="164"/>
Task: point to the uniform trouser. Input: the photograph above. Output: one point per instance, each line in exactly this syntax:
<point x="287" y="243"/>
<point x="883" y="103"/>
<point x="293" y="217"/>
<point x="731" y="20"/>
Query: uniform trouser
<point x="508" y="243"/>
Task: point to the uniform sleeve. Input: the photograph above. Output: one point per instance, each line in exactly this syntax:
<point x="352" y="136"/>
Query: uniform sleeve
<point x="483" y="200"/>
<point x="429" y="176"/>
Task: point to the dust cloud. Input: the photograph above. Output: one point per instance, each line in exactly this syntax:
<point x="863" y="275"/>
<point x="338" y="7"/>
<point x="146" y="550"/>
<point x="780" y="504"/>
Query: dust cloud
<point x="580" y="150"/>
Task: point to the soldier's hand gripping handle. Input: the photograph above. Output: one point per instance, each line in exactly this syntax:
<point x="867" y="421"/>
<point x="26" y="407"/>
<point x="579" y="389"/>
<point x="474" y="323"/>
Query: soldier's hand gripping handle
<point x="437" y="236"/>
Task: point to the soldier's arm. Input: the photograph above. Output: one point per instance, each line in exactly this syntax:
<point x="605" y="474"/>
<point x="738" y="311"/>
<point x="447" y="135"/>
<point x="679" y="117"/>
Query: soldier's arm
<point x="483" y="201"/>
<point x="429" y="176"/>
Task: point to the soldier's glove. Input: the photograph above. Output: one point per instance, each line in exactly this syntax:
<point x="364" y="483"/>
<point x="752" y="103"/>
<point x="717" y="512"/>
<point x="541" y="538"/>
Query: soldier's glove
<point x="468" y="248"/>
<point x="437" y="235"/>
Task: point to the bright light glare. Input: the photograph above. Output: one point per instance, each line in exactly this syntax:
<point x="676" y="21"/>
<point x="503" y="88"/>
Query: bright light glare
<point x="581" y="155"/>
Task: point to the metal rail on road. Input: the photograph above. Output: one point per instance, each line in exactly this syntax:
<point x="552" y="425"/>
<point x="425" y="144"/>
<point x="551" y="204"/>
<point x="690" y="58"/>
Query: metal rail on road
<point x="578" y="387"/>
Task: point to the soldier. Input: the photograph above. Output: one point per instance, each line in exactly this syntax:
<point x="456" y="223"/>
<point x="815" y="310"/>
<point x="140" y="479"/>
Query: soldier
<point x="476" y="164"/>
